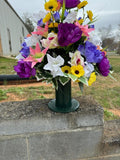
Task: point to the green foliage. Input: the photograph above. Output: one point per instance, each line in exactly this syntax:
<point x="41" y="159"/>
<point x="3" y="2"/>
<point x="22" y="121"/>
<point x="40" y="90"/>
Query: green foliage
<point x="6" y="65"/>
<point x="64" y="80"/>
<point x="109" y="115"/>
<point x="3" y="95"/>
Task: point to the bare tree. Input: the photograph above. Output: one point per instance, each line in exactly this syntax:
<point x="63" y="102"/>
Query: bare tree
<point x="28" y="22"/>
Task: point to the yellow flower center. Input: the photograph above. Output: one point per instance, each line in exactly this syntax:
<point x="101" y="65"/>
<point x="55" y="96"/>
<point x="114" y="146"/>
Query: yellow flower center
<point x="38" y="55"/>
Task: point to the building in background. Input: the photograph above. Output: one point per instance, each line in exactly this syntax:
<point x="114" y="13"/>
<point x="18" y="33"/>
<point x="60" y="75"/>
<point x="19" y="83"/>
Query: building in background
<point x="12" y="30"/>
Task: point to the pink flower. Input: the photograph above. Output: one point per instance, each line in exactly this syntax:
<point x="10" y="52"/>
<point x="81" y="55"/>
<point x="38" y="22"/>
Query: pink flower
<point x="84" y="29"/>
<point x="42" y="31"/>
<point x="36" y="55"/>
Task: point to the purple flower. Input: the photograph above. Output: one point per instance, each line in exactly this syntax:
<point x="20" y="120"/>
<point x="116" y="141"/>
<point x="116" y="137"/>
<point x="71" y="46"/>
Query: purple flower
<point x="79" y="18"/>
<point x="104" y="66"/>
<point x="24" y="69"/>
<point x="90" y="52"/>
<point x="70" y="3"/>
<point x="40" y="22"/>
<point x="91" y="26"/>
<point x="25" y="51"/>
<point x="56" y="16"/>
<point x="68" y="33"/>
<point x="65" y="14"/>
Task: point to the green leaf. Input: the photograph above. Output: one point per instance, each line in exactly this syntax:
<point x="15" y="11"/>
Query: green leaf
<point x="112" y="77"/>
<point x="83" y="80"/>
<point x="74" y="78"/>
<point x="55" y="83"/>
<point x="81" y="86"/>
<point x="63" y="11"/>
<point x="63" y="80"/>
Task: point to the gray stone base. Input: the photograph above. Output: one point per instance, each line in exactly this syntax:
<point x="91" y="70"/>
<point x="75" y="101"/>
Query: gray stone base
<point x="30" y="131"/>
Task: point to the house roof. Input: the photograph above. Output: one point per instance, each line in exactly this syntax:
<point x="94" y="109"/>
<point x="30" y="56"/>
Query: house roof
<point x="15" y="13"/>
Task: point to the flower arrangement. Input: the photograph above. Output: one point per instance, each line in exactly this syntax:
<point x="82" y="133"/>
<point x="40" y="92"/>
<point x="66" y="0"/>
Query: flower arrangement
<point x="62" y="47"/>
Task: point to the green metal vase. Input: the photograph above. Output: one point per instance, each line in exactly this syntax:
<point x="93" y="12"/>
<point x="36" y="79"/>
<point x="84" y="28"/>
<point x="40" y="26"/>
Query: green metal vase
<point x="63" y="102"/>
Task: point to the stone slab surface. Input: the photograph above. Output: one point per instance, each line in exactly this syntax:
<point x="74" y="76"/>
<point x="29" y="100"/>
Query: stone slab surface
<point x="112" y="157"/>
<point x="111" y="139"/>
<point x="66" y="145"/>
<point x="34" y="116"/>
<point x="30" y="131"/>
<point x="13" y="149"/>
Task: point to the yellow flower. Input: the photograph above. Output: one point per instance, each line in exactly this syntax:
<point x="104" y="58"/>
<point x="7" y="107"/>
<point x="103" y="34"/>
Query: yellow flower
<point x="47" y="18"/>
<point x="52" y="25"/>
<point x="66" y="69"/>
<point x="51" y="5"/>
<point x="92" y="79"/>
<point x="77" y="71"/>
<point x="80" y="21"/>
<point x="90" y="15"/>
<point x="82" y="4"/>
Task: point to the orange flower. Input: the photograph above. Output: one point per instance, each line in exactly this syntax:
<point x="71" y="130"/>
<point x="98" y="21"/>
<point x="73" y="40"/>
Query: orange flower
<point x="59" y="6"/>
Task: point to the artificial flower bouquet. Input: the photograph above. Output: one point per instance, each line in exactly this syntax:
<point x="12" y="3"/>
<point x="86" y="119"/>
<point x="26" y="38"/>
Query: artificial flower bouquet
<point x="62" y="47"/>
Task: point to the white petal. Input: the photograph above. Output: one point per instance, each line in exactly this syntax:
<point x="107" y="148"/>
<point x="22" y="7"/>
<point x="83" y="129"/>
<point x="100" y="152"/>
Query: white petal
<point x="19" y="57"/>
<point x="71" y="17"/>
<point x="88" y="68"/>
<point x="48" y="67"/>
<point x="60" y="60"/>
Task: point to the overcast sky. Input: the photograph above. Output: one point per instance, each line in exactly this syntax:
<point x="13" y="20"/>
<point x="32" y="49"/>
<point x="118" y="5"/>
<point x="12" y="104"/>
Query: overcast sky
<point x="108" y="11"/>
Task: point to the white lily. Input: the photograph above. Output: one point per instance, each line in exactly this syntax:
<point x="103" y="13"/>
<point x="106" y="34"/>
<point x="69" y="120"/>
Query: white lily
<point x="51" y="41"/>
<point x="19" y="57"/>
<point x="88" y="68"/>
<point x="32" y="40"/>
<point x="54" y="64"/>
<point x="76" y="58"/>
<point x="95" y="39"/>
<point x="70" y="17"/>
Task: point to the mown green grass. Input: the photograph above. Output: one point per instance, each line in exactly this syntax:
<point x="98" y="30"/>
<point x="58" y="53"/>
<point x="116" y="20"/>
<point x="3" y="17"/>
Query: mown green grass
<point x="105" y="90"/>
<point x="6" y="65"/>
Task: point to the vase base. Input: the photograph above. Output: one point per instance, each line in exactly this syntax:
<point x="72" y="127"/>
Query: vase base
<point x="74" y="106"/>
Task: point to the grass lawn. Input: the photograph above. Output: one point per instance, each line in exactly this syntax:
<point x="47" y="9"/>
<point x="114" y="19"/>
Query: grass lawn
<point x="6" y="65"/>
<point x="105" y="90"/>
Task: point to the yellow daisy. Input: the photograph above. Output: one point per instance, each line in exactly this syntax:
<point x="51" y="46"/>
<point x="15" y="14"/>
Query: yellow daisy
<point x="47" y="18"/>
<point x="82" y="4"/>
<point x="66" y="69"/>
<point x="80" y="21"/>
<point x="92" y="79"/>
<point x="90" y="15"/>
<point x="77" y="71"/>
<point x="51" y="5"/>
<point x="51" y="25"/>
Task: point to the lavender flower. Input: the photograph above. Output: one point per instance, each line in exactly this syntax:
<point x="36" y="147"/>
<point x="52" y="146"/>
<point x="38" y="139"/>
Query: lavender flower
<point x="25" y="51"/>
<point x="68" y="34"/>
<point x="90" y="52"/>
<point x="56" y="16"/>
<point x="40" y="22"/>
<point x="65" y="14"/>
<point x="24" y="69"/>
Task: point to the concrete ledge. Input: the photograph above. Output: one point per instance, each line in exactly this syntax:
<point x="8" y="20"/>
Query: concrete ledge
<point x="34" y="116"/>
<point x="30" y="131"/>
